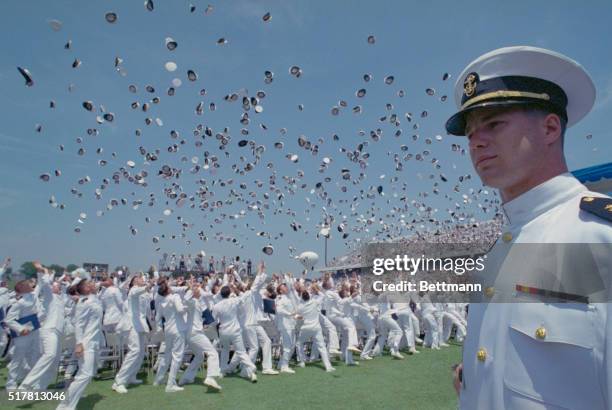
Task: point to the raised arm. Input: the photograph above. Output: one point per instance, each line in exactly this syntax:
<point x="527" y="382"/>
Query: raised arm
<point x="178" y="304"/>
<point x="260" y="280"/>
<point x="5" y="264"/>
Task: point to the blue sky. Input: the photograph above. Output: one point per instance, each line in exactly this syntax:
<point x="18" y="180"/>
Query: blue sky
<point x="415" y="42"/>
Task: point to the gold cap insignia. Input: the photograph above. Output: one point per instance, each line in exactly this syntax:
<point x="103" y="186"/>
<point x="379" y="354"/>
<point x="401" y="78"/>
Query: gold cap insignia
<point x="469" y="85"/>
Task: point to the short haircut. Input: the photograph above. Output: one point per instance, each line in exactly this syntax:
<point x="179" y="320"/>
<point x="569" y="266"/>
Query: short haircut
<point x="23" y="286"/>
<point x="163" y="289"/>
<point x="225" y="292"/>
<point x="305" y="296"/>
<point x="544" y="110"/>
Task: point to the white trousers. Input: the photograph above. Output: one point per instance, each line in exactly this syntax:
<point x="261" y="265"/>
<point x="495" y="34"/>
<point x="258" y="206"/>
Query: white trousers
<point x="133" y="359"/>
<point x="287" y="344"/>
<point x="25" y="351"/>
<point x="68" y="345"/>
<point x="333" y="342"/>
<point x="255" y="337"/>
<point x="348" y="328"/>
<point x="316" y="334"/>
<point x="405" y="323"/>
<point x="199" y="344"/>
<point x="173" y="355"/>
<point x="43" y="372"/>
<point x="240" y="356"/>
<point x="448" y="320"/>
<point x="432" y="334"/>
<point x="349" y="336"/>
<point x="416" y="324"/>
<point x="389" y="329"/>
<point x="87" y="370"/>
<point x="4" y="340"/>
<point x="368" y="325"/>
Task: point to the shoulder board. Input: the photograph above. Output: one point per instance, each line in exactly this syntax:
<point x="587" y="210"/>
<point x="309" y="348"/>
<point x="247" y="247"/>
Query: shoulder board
<point x="600" y="206"/>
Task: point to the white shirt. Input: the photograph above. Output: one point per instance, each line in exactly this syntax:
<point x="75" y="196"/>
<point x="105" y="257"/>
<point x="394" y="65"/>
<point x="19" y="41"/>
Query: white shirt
<point x="285" y="311"/>
<point x="310" y="312"/>
<point x="88" y="321"/>
<point x="253" y="305"/>
<point x="333" y="303"/>
<point x="55" y="313"/>
<point x="26" y="305"/>
<point x="172" y="309"/>
<point x="112" y="302"/>
<point x="195" y="307"/>
<point x="138" y="304"/>
<point x="516" y="368"/>
<point x="226" y="313"/>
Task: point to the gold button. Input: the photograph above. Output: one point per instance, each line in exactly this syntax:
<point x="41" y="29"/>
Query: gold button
<point x="507" y="237"/>
<point x="481" y="354"/>
<point x="588" y="199"/>
<point x="608" y="207"/>
<point x="540" y="332"/>
<point x="489" y="291"/>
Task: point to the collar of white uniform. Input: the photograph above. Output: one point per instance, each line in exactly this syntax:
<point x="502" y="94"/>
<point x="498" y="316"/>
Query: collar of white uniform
<point x="542" y="198"/>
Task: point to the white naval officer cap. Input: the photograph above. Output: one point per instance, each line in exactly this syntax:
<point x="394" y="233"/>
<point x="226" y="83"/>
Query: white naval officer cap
<point x="523" y="75"/>
<point x="130" y="278"/>
<point x="80" y="274"/>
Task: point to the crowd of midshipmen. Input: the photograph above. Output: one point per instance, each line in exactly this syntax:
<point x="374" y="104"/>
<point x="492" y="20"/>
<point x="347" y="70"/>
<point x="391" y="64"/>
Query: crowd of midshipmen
<point x="53" y="317"/>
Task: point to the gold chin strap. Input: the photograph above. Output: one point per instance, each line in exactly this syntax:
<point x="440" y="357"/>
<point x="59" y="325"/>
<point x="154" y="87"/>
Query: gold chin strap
<point x="504" y="94"/>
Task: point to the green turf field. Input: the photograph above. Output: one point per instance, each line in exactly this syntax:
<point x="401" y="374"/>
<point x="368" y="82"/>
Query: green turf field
<point x="419" y="382"/>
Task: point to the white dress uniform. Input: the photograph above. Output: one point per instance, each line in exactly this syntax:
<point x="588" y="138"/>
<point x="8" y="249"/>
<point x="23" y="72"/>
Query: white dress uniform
<point x="311" y="329"/>
<point x="285" y="323"/>
<point x="51" y="334"/>
<point x="199" y="344"/>
<point x="112" y="302"/>
<point x="230" y="333"/>
<point x="88" y="332"/>
<point x="335" y="313"/>
<point x="432" y="331"/>
<point x="174" y="312"/>
<point x="541" y="355"/>
<point x="329" y="330"/>
<point x="451" y="318"/>
<point x="25" y="349"/>
<point x="545" y="354"/>
<point x="138" y="304"/>
<point x="416" y="322"/>
<point x="404" y="320"/>
<point x="69" y="333"/>
<point x="255" y="336"/>
<point x="365" y="318"/>
<point x="390" y="332"/>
